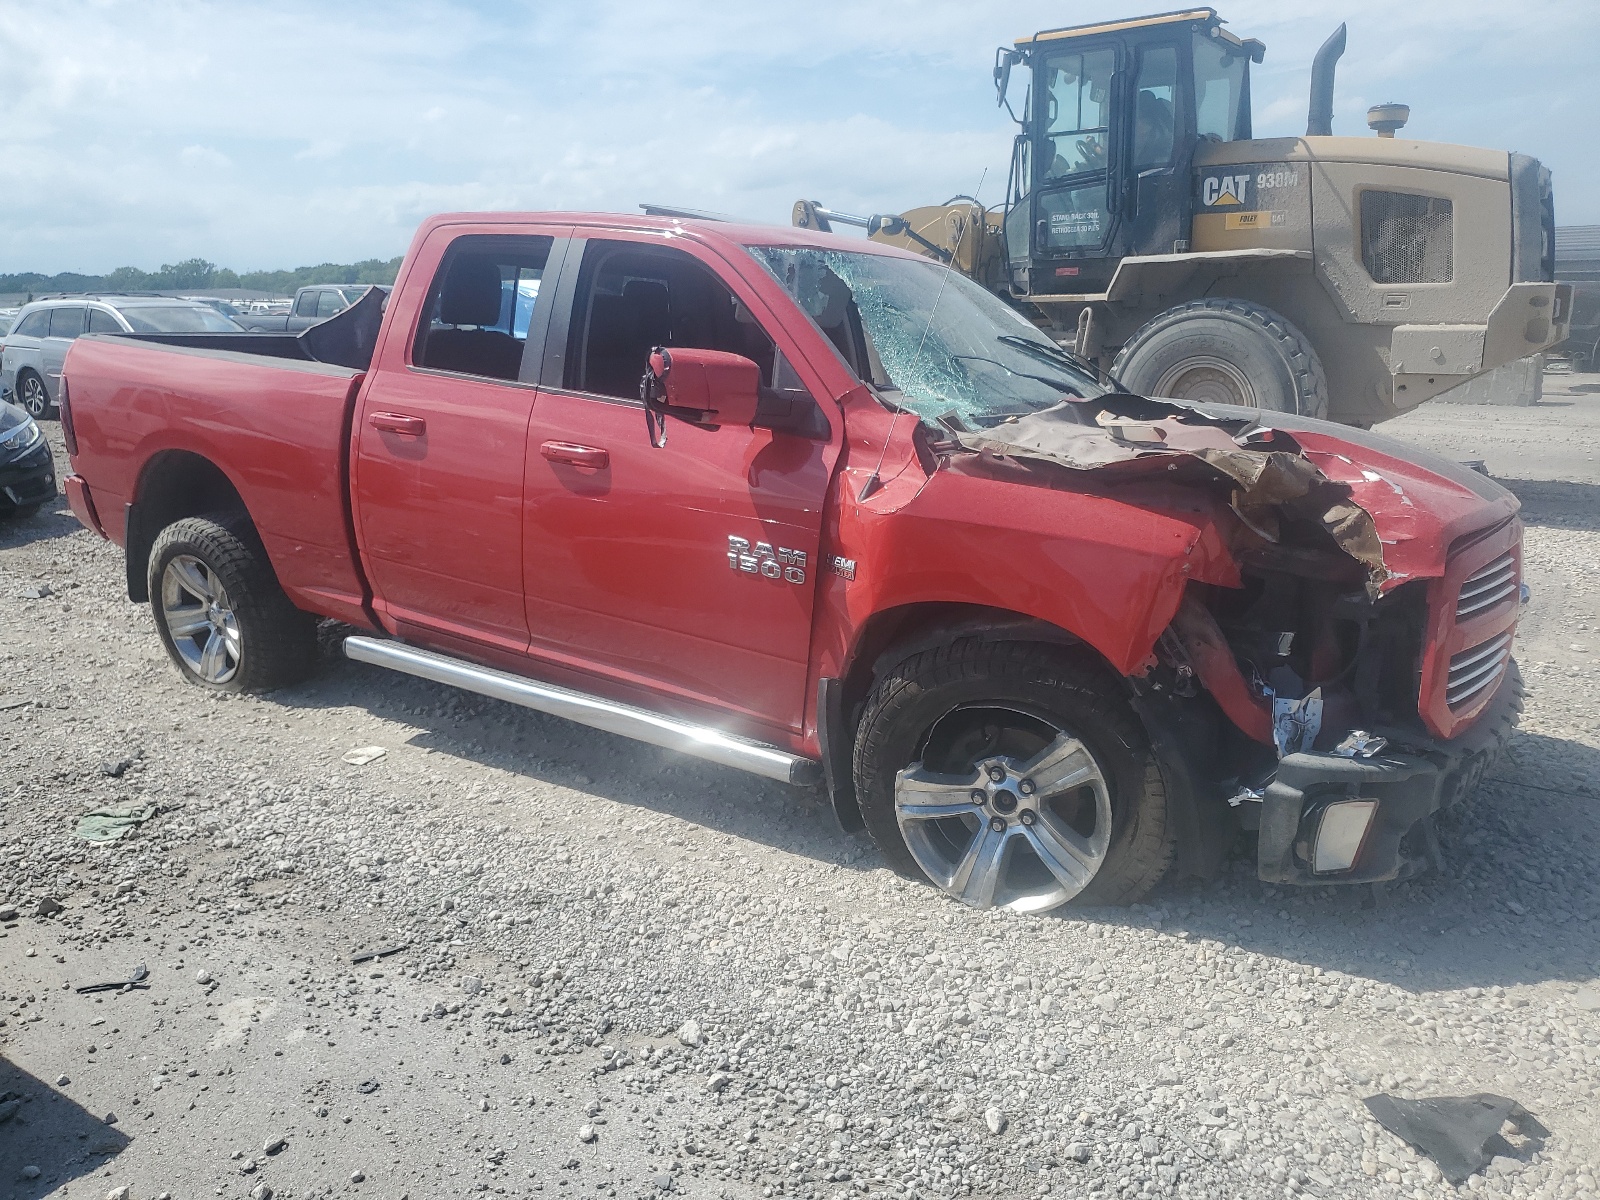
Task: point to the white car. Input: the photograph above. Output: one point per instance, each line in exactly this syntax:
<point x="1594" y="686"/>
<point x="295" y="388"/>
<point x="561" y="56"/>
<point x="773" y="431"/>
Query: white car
<point x="36" y="345"/>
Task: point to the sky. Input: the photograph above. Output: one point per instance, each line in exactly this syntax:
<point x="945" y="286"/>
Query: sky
<point x="277" y="134"/>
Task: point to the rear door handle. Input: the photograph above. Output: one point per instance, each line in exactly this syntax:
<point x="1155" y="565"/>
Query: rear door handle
<point x="398" y="423"/>
<point x="575" y="455"/>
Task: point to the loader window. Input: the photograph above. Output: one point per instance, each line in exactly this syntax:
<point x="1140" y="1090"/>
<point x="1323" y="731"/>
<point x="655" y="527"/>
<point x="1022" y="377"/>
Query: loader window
<point x="632" y="298"/>
<point x="481" y="304"/>
<point x="1077" y="113"/>
<point x="1221" y="91"/>
<point x="1153" y="125"/>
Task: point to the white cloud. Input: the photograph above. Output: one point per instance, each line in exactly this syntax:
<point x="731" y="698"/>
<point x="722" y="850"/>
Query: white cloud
<point x="307" y="131"/>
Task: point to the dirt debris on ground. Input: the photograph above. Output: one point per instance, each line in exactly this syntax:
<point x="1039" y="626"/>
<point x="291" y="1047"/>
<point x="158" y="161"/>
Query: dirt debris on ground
<point x="625" y="974"/>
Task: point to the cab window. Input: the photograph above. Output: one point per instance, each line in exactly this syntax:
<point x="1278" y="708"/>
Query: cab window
<point x="481" y="306"/>
<point x="632" y="298"/>
<point x="331" y="303"/>
<point x="1077" y="113"/>
<point x="305" y="304"/>
<point x="1221" y="91"/>
<point x="1153" y="109"/>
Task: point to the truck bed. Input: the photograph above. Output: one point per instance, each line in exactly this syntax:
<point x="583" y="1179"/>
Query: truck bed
<point x="277" y="427"/>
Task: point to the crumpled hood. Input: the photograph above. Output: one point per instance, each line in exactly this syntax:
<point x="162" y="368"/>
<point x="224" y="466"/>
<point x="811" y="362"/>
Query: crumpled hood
<point x="1395" y="509"/>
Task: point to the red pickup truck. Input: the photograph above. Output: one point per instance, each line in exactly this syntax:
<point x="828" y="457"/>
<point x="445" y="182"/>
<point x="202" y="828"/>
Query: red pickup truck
<point x="821" y="510"/>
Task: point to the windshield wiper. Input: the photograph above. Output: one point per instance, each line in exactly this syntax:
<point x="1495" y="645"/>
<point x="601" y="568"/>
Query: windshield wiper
<point x="1050" y="352"/>
<point x="1059" y="385"/>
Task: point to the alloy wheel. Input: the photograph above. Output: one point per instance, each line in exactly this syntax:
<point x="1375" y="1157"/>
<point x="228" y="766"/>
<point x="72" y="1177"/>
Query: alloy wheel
<point x="35" y="400"/>
<point x="201" y="619"/>
<point x="1005" y="809"/>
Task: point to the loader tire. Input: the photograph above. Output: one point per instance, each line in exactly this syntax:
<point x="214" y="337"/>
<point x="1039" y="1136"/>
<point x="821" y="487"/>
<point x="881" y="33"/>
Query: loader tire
<point x="1223" y="351"/>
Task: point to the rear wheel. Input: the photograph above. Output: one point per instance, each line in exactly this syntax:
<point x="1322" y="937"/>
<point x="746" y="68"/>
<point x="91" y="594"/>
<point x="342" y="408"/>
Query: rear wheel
<point x="1011" y="775"/>
<point x="31" y="395"/>
<point x="1225" y="352"/>
<point x="220" y="612"/>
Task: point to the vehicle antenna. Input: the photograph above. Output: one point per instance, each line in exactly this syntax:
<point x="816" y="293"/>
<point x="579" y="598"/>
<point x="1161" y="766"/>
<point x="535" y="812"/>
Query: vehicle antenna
<point x="872" y="484"/>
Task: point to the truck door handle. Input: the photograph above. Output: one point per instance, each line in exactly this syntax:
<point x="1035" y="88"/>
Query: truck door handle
<point x="575" y="455"/>
<point x="398" y="423"/>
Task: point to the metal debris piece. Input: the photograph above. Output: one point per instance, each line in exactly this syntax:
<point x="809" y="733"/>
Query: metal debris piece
<point x="135" y="980"/>
<point x="1358" y="743"/>
<point x="1244" y="795"/>
<point x="1296" y="723"/>
<point x="112" y="822"/>
<point x="1460" y="1133"/>
<point x="362" y="755"/>
<point x="367" y="1086"/>
<point x="361" y="956"/>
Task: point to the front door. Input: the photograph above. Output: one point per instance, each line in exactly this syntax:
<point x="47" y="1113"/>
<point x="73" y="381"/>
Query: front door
<point x="1074" y="213"/>
<point x="440" y="436"/>
<point x="687" y="569"/>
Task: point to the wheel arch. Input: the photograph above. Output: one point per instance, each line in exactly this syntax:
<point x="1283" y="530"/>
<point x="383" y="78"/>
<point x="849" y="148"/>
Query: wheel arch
<point x="173" y="484"/>
<point x="893" y="633"/>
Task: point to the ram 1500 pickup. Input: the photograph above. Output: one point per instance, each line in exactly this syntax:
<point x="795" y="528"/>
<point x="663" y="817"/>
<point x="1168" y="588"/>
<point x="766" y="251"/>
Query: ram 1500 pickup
<point x="828" y="512"/>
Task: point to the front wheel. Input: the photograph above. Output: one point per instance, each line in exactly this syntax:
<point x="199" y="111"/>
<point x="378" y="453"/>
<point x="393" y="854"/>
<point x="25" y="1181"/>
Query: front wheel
<point x="220" y="612"/>
<point x="31" y="395"/>
<point x="1012" y="775"/>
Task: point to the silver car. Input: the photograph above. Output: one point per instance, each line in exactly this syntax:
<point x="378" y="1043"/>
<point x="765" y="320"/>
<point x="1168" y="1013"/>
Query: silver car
<point x="36" y="345"/>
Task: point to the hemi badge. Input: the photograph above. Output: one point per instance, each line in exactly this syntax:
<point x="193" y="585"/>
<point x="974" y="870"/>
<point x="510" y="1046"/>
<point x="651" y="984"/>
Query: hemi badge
<point x="845" y="567"/>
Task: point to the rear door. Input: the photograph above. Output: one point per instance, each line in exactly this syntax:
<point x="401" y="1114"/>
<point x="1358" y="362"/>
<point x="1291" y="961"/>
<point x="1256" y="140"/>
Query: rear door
<point x="687" y="569"/>
<point x="66" y="324"/>
<point x="440" y="435"/>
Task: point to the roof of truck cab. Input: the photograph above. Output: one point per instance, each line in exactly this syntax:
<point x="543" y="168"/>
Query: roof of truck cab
<point x="1168" y="18"/>
<point x="737" y="232"/>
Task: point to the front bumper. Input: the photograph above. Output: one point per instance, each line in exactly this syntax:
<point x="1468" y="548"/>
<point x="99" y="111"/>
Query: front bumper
<point x="1408" y="789"/>
<point x="29" y="479"/>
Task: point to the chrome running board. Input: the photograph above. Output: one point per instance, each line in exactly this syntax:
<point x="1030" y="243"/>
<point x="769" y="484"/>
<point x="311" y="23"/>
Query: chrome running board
<point x="701" y="741"/>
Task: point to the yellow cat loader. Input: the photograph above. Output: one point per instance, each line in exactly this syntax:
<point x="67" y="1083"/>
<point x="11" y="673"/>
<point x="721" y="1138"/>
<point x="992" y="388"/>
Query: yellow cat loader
<point x="1346" y="277"/>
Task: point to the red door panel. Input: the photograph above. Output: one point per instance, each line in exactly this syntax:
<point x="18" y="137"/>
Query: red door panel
<point x="628" y="563"/>
<point x="439" y="470"/>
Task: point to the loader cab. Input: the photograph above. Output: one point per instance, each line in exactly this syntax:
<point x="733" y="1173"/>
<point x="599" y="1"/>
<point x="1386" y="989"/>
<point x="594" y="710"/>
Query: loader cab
<point x="1111" y="117"/>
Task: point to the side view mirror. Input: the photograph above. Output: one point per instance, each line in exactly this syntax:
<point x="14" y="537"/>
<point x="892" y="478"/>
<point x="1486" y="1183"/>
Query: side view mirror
<point x="1004" y="59"/>
<point x="708" y="388"/>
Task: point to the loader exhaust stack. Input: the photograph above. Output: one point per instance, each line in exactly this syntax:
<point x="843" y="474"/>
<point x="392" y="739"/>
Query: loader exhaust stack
<point x="1320" y="121"/>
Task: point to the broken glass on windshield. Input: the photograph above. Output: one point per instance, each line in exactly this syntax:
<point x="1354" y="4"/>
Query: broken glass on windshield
<point x="936" y="342"/>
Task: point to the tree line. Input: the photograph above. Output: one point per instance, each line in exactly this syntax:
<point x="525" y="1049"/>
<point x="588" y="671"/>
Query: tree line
<point x="198" y="275"/>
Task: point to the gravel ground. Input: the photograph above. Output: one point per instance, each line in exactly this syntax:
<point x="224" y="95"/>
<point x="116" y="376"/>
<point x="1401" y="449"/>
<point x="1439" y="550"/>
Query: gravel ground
<point x="626" y="974"/>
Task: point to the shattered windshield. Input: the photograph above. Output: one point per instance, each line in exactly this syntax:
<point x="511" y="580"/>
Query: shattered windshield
<point x="936" y="342"/>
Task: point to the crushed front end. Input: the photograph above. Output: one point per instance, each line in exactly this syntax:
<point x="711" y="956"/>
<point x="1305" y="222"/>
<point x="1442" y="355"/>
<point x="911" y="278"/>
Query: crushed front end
<point x="1359" y="676"/>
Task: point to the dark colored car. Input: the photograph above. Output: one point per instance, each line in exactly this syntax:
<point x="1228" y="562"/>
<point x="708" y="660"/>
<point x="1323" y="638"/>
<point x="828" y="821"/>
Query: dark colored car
<point x="27" y="468"/>
<point x="312" y="305"/>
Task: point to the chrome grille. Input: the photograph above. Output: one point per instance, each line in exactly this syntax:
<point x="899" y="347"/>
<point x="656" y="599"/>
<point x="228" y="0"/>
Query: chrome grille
<point x="1407" y="238"/>
<point x="1476" y="669"/>
<point x="1488" y="587"/>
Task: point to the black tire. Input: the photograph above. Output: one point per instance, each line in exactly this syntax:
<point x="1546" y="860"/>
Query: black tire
<point x="18" y="514"/>
<point x="32" y="395"/>
<point x="1033" y="682"/>
<point x="274" y="643"/>
<point x="1225" y="352"/>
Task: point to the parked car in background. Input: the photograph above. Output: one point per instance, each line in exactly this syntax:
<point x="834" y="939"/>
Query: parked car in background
<point x="27" y="468"/>
<point x="312" y="305"/>
<point x="226" y="307"/>
<point x="34" y="347"/>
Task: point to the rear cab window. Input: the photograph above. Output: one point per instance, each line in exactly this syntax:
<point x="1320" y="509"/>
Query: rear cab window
<point x="481" y="306"/>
